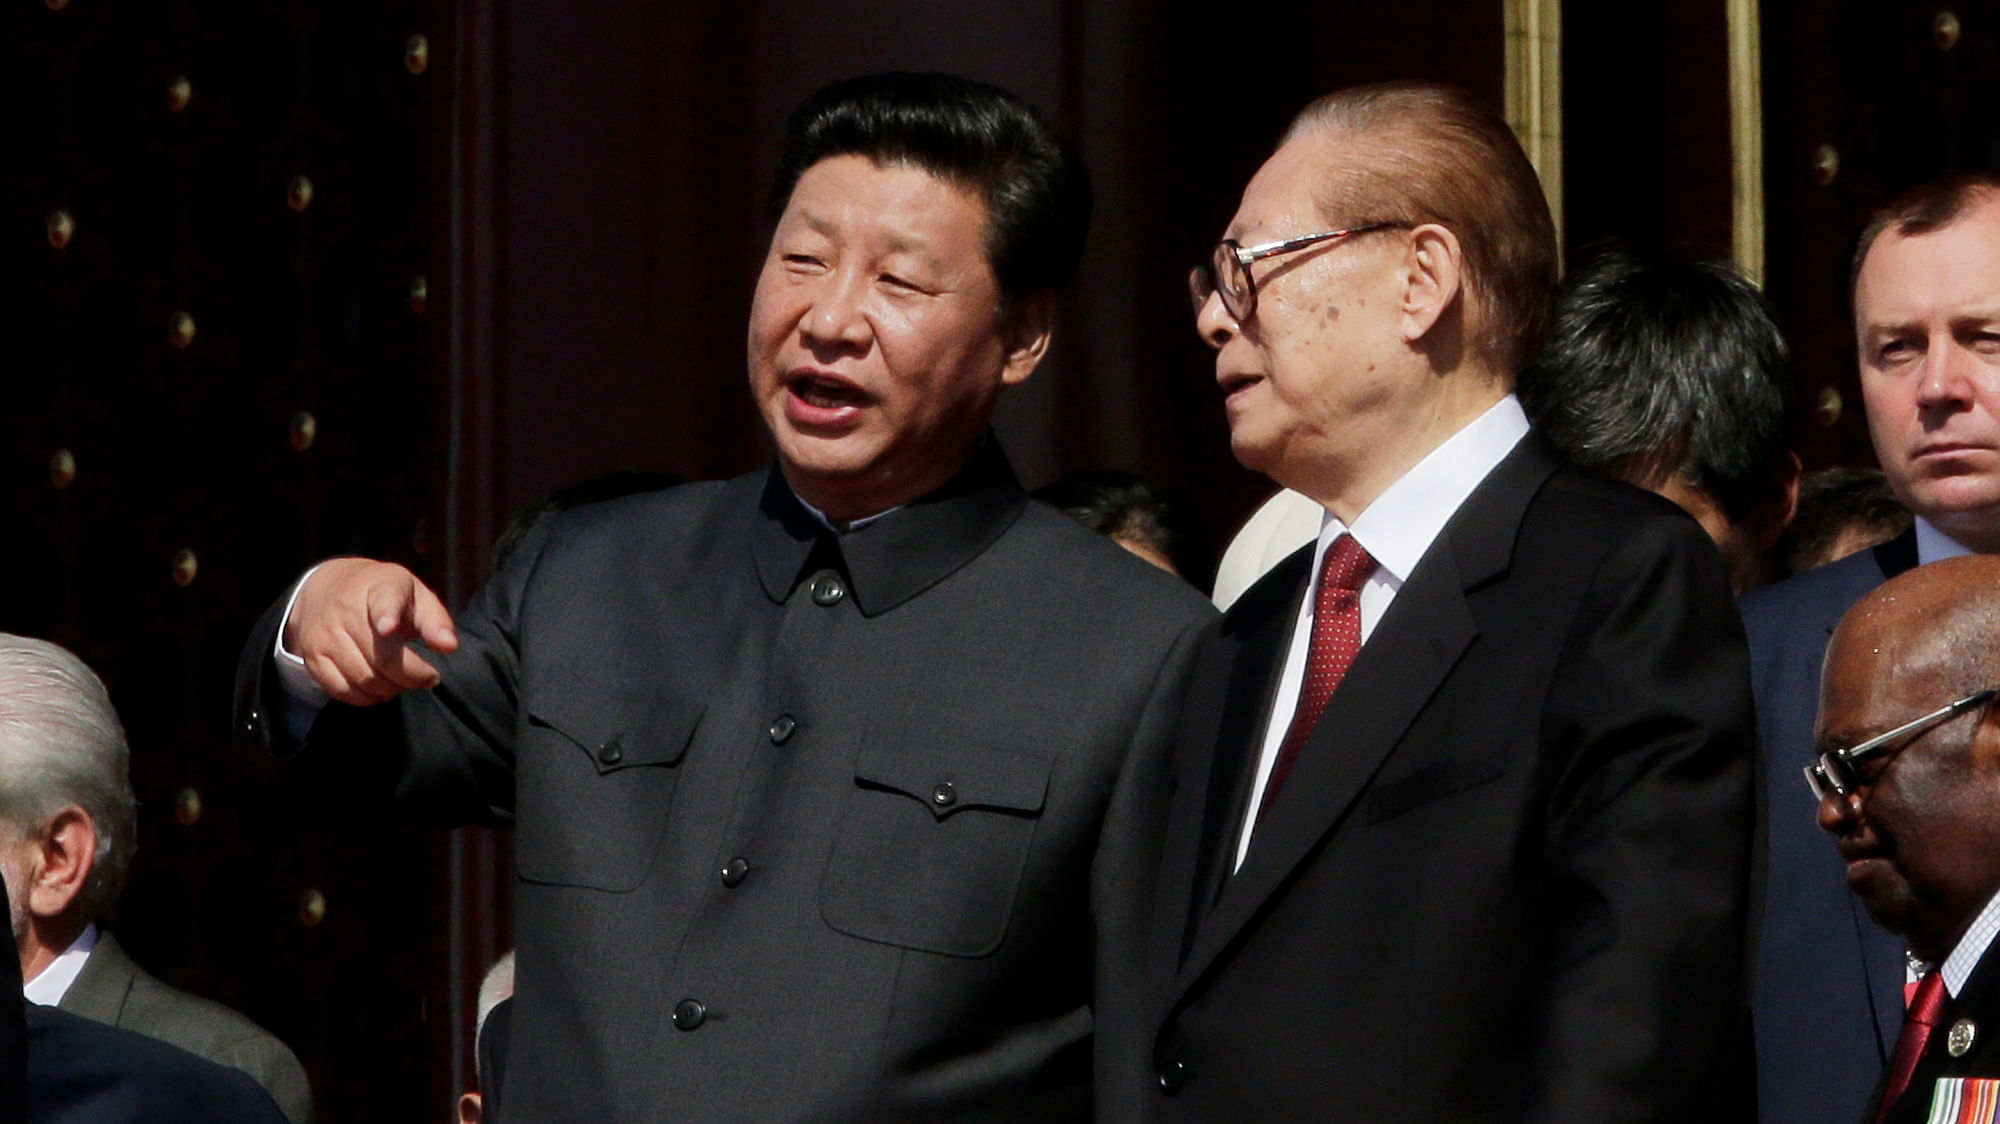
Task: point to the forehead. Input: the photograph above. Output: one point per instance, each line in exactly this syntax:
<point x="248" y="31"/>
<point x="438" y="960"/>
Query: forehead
<point x="856" y="196"/>
<point x="1943" y="272"/>
<point x="1281" y="200"/>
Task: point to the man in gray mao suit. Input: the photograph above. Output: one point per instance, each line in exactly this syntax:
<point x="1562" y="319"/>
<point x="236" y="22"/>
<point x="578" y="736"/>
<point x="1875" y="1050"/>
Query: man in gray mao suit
<point x="809" y="770"/>
<point x="66" y="841"/>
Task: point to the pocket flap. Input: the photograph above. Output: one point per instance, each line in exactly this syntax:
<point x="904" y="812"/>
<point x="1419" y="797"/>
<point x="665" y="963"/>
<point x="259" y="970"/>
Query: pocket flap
<point x="950" y="778"/>
<point x="1433" y="782"/>
<point x="620" y="729"/>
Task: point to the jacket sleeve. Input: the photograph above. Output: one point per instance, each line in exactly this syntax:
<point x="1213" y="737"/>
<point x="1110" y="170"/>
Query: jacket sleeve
<point x="1648" y="736"/>
<point x="445" y="755"/>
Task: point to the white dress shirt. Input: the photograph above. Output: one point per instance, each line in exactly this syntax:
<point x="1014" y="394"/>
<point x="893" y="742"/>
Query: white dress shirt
<point x="53" y="982"/>
<point x="1396" y="530"/>
<point x="1971" y="947"/>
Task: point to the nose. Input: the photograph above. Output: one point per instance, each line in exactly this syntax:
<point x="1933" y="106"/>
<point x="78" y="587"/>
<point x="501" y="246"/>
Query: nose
<point x="1837" y="813"/>
<point x="836" y="317"/>
<point x="1947" y="376"/>
<point x="1213" y="322"/>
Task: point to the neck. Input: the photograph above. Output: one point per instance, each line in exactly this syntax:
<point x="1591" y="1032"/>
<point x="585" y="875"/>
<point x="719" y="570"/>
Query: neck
<point x="46" y="939"/>
<point x="843" y="500"/>
<point x="1347" y="489"/>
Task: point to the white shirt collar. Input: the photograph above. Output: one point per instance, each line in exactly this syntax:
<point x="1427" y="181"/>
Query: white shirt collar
<point x="1399" y="527"/>
<point x="1934" y="545"/>
<point x="53" y="982"/>
<point x="1957" y="967"/>
<point x="823" y="521"/>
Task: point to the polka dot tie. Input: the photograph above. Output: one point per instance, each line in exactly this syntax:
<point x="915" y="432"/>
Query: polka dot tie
<point x="1336" y="640"/>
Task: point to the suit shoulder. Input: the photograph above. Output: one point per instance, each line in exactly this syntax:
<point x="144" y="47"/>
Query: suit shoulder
<point x="1068" y="554"/>
<point x="1613" y="508"/>
<point x="84" y="1070"/>
<point x="200" y="1026"/>
<point x="1815" y="598"/>
<point x="678" y="505"/>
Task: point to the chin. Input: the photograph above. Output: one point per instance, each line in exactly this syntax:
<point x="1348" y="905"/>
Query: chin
<point x="1250" y="453"/>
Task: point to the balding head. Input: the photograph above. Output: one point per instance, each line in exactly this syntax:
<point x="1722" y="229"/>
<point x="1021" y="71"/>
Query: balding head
<point x="1921" y="829"/>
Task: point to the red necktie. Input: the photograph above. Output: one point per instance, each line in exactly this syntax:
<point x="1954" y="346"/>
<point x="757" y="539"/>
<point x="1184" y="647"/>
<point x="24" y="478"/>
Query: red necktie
<point x="1925" y="1013"/>
<point x="1336" y="640"/>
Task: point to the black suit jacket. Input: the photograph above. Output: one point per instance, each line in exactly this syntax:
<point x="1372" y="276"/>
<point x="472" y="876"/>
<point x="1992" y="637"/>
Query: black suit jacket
<point x="808" y="829"/>
<point x="1978" y="1003"/>
<point x="13" y="1032"/>
<point x="1506" y="880"/>
<point x="1827" y="1002"/>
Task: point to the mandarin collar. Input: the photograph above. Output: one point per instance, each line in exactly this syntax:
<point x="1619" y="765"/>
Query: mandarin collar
<point x="904" y="552"/>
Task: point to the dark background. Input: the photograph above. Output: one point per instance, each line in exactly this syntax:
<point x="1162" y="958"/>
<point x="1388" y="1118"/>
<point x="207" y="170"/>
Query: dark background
<point x="527" y="260"/>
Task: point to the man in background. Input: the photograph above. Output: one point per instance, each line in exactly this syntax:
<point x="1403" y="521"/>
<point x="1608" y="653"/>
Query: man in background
<point x="67" y="834"/>
<point x="1672" y="376"/>
<point x="491" y="1029"/>
<point x="1908" y="783"/>
<point x="1828" y="997"/>
<point x="1842" y="511"/>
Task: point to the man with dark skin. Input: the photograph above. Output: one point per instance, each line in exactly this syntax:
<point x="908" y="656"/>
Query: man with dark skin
<point x="1909" y="784"/>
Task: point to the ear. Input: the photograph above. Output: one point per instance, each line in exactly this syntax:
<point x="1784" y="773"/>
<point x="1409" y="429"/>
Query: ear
<point x="1030" y="324"/>
<point x="469" y="1108"/>
<point x="64" y="857"/>
<point x="1784" y="506"/>
<point x="1433" y="280"/>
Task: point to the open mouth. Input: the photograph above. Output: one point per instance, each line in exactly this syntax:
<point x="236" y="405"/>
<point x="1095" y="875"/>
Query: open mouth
<point x="827" y="393"/>
<point x="1232" y="383"/>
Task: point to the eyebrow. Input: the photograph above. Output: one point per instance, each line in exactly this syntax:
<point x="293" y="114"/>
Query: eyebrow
<point x="1971" y="316"/>
<point x="898" y="244"/>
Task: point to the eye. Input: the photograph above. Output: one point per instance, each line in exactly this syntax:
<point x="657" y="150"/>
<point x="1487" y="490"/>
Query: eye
<point x="1895" y="351"/>
<point x="803" y="263"/>
<point x="901" y="284"/>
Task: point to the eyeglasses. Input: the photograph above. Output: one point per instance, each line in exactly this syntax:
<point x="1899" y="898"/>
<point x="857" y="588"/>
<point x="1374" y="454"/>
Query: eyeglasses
<point x="1835" y="773"/>
<point x="1228" y="269"/>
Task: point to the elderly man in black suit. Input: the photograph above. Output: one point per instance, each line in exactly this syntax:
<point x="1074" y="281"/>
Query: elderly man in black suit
<point x="809" y="770"/>
<point x="1462" y="822"/>
<point x="1829" y="988"/>
<point x="1908" y="782"/>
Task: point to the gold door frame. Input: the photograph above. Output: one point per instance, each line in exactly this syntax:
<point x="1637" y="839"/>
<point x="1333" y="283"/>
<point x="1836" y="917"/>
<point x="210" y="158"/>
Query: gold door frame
<point x="1533" y="78"/>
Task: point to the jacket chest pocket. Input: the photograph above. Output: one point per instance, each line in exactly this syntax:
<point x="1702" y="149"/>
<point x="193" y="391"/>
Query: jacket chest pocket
<point x="930" y="852"/>
<point x="597" y="773"/>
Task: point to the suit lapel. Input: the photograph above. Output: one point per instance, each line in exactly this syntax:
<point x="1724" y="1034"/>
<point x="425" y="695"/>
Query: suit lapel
<point x="1230" y="706"/>
<point x="1407" y="656"/>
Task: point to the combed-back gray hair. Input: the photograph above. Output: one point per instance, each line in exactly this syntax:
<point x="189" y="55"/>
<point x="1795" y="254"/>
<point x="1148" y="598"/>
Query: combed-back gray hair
<point x="61" y="745"/>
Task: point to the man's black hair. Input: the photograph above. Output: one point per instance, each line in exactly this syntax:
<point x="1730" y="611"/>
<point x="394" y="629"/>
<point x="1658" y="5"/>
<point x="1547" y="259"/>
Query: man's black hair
<point x="1656" y="367"/>
<point x="1121" y="505"/>
<point x="977" y="137"/>
<point x="1833" y="502"/>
